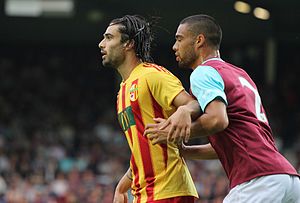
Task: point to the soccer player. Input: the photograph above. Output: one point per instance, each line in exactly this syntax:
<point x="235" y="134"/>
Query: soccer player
<point x="233" y="118"/>
<point x="157" y="172"/>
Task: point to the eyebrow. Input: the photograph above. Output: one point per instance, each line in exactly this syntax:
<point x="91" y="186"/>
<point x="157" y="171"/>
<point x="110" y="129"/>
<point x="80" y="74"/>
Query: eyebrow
<point x="178" y="36"/>
<point x="107" y="35"/>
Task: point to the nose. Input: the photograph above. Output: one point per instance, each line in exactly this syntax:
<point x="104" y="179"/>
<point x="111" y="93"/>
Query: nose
<point x="100" y="45"/>
<point x="175" y="47"/>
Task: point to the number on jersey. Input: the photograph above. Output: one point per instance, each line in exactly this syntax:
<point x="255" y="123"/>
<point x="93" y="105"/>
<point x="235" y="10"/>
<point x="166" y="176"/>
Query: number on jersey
<point x="260" y="115"/>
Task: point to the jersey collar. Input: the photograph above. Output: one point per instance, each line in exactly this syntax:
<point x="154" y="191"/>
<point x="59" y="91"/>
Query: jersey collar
<point x="212" y="59"/>
<point x="133" y="72"/>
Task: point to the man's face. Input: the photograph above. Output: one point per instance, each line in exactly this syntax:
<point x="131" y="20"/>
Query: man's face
<point x="185" y="47"/>
<point x="112" y="50"/>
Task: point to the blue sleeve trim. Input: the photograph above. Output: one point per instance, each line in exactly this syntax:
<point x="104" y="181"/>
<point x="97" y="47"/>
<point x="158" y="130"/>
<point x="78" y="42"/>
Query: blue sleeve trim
<point x="207" y="85"/>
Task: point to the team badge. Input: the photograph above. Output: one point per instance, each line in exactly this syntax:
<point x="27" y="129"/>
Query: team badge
<point x="133" y="92"/>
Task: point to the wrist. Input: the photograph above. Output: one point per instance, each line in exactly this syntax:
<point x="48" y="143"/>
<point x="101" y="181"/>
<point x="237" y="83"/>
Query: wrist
<point x="185" y="109"/>
<point x="194" y="109"/>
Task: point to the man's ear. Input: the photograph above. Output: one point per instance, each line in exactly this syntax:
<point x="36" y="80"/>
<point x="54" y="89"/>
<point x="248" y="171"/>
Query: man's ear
<point x="200" y="40"/>
<point x="129" y="44"/>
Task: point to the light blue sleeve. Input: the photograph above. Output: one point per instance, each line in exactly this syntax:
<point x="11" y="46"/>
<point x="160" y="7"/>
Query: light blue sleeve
<point x="207" y="85"/>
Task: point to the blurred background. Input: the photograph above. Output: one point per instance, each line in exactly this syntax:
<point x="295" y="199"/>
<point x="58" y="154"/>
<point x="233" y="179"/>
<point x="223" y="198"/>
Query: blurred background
<point x="59" y="138"/>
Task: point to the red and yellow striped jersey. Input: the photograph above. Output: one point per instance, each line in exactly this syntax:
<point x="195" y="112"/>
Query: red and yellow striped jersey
<point x="158" y="170"/>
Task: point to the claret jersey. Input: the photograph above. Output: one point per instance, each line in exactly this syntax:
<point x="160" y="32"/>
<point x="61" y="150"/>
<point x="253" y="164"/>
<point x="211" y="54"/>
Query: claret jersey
<point x="246" y="147"/>
<point x="158" y="170"/>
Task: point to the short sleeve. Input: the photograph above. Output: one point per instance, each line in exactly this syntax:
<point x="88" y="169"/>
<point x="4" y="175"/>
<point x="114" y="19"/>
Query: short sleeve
<point x="164" y="87"/>
<point x="207" y="85"/>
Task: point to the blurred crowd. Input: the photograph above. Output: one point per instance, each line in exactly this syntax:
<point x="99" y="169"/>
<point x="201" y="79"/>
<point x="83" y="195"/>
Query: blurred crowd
<point x="59" y="138"/>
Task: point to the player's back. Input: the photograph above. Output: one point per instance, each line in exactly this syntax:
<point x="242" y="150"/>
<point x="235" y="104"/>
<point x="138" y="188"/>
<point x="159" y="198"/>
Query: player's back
<point x="246" y="147"/>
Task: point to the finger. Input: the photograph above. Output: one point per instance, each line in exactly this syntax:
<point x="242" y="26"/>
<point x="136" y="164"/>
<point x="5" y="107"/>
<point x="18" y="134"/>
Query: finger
<point x="154" y="142"/>
<point x="159" y="120"/>
<point x="151" y="125"/>
<point x="158" y="141"/>
<point x="188" y="134"/>
<point x="164" y="124"/>
<point x="178" y="138"/>
<point x="171" y="133"/>
<point x="153" y="136"/>
<point x="182" y="135"/>
<point x="176" y="135"/>
<point x="150" y="131"/>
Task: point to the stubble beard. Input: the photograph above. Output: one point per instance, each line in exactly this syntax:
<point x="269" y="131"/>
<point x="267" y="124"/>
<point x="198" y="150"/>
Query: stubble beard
<point x="107" y="64"/>
<point x="188" y="61"/>
<point x="112" y="63"/>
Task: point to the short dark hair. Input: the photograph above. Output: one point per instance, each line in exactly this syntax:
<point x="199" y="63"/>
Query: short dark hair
<point x="134" y="27"/>
<point x="206" y="25"/>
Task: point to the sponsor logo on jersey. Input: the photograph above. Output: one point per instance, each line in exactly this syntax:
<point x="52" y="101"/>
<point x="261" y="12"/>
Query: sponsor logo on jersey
<point x="126" y="118"/>
<point x="133" y="91"/>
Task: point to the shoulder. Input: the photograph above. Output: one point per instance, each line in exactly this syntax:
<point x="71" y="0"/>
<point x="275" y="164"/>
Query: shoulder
<point x="152" y="67"/>
<point x="154" y="71"/>
<point x="203" y="73"/>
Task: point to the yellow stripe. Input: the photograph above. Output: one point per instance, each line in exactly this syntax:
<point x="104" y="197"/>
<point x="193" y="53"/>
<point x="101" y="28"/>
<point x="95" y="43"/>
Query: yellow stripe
<point x="155" y="150"/>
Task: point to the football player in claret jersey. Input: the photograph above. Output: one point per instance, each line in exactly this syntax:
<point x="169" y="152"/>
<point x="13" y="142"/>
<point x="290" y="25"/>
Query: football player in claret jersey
<point x="233" y="119"/>
<point x="157" y="172"/>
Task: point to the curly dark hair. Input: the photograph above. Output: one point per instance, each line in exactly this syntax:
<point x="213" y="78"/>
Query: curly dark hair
<point x="136" y="28"/>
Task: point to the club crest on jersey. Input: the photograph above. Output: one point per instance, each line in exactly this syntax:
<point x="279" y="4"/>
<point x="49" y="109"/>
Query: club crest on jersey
<point x="133" y="91"/>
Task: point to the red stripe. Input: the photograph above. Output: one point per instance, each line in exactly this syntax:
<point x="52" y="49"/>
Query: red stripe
<point x="158" y="113"/>
<point x="135" y="172"/>
<point x="136" y="179"/>
<point x="150" y="65"/>
<point x="133" y="163"/>
<point x="181" y="199"/>
<point x="144" y="148"/>
<point x="123" y="108"/>
<point x="159" y="67"/>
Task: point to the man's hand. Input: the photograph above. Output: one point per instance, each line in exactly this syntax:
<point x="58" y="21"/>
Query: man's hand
<point x="179" y="125"/>
<point x="153" y="132"/>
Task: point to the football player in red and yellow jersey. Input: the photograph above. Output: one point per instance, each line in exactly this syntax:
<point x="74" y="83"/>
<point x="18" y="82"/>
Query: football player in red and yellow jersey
<point x="157" y="172"/>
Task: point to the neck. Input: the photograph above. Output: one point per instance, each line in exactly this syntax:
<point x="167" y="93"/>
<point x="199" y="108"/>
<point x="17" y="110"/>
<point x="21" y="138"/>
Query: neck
<point x="212" y="54"/>
<point x="205" y="55"/>
<point x="127" y="66"/>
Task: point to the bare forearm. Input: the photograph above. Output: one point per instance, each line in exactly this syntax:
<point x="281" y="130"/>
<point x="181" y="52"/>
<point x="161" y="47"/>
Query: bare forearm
<point x="203" y="152"/>
<point x="125" y="182"/>
<point x="187" y="103"/>
<point x="203" y="127"/>
<point x="212" y="121"/>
